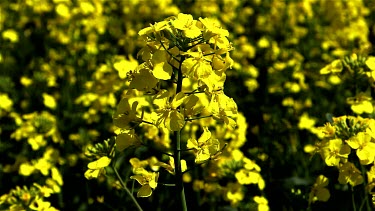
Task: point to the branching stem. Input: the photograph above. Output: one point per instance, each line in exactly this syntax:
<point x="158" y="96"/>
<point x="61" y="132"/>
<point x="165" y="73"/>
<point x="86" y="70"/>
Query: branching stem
<point x="126" y="189"/>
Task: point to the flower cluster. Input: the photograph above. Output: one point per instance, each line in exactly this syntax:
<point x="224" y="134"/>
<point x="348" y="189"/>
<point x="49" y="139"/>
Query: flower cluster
<point x="358" y="70"/>
<point x="25" y="198"/>
<point x="181" y="79"/>
<point x="343" y="138"/>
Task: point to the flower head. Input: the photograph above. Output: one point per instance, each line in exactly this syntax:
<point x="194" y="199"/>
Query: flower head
<point x="96" y="168"/>
<point x="319" y="192"/>
<point x="365" y="147"/>
<point x="148" y="180"/>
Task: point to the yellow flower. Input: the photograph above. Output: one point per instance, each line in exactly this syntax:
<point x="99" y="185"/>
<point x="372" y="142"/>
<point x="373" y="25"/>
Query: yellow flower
<point x="10" y="34"/>
<point x="136" y="163"/>
<point x="161" y="68"/>
<point x="44" y="190"/>
<point x="370" y="62"/>
<point x="334" y="67"/>
<point x="365" y="147"/>
<point x="124" y="66"/>
<point x="234" y="193"/>
<point x="168" y="114"/>
<point x="148" y="180"/>
<point x="127" y="139"/>
<point x="40" y="205"/>
<point x="246" y="177"/>
<point x="318" y="191"/>
<point x="334" y="151"/>
<point x="125" y="114"/>
<point x="37" y="141"/>
<point x="25" y="81"/>
<point x="350" y="174"/>
<point x="56" y="175"/>
<point x="197" y="66"/>
<point x="63" y="10"/>
<point x="205" y="146"/>
<point x="361" y="104"/>
<point x="26" y="169"/>
<point x="371" y="180"/>
<point x="216" y="35"/>
<point x="156" y="28"/>
<point x="6" y="102"/>
<point x="96" y="168"/>
<point x="328" y="130"/>
<point x="306" y="122"/>
<point x="224" y="108"/>
<point x="262" y="203"/>
<point x="142" y="79"/>
<point x="186" y="23"/>
<point x="213" y="28"/>
<point x="49" y="101"/>
<point x="171" y="166"/>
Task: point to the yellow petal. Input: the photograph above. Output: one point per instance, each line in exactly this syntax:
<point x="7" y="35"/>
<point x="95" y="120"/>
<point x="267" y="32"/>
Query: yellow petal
<point x="178" y="100"/>
<point x="143" y="80"/>
<point x="192" y="143"/>
<point x="100" y="163"/>
<point x="206" y="135"/>
<point x="202" y="156"/>
<point x="140" y="179"/>
<point x="49" y="101"/>
<point x="323" y="194"/>
<point x="90" y="174"/>
<point x="176" y="121"/>
<point x="126" y="140"/>
<point x="144" y="191"/>
<point x="370" y="62"/>
<point x="353" y="142"/>
<point x="162" y="71"/>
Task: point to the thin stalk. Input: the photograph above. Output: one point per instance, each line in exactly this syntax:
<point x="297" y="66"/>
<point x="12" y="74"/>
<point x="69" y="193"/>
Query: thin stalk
<point x="178" y="172"/>
<point x="365" y="194"/>
<point x="126" y="189"/>
<point x="177" y="152"/>
<point x="353" y="200"/>
<point x="199" y="117"/>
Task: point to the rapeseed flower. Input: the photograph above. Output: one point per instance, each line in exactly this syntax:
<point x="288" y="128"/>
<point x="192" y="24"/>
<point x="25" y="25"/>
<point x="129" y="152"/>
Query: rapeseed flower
<point x="365" y="147"/>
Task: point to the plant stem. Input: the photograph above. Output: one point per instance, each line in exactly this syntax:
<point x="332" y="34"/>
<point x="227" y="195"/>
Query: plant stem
<point x="353" y="200"/>
<point x="178" y="172"/>
<point x="365" y="194"/>
<point x="199" y="117"/>
<point x="177" y="152"/>
<point x="126" y="189"/>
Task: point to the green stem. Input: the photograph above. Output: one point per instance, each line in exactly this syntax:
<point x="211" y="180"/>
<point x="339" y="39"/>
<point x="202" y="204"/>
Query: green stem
<point x="126" y="189"/>
<point x="178" y="172"/>
<point x="353" y="200"/>
<point x="177" y="152"/>
<point x="366" y="197"/>
<point x="199" y="117"/>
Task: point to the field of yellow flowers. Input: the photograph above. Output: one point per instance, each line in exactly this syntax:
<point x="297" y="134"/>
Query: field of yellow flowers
<point x="220" y="105"/>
